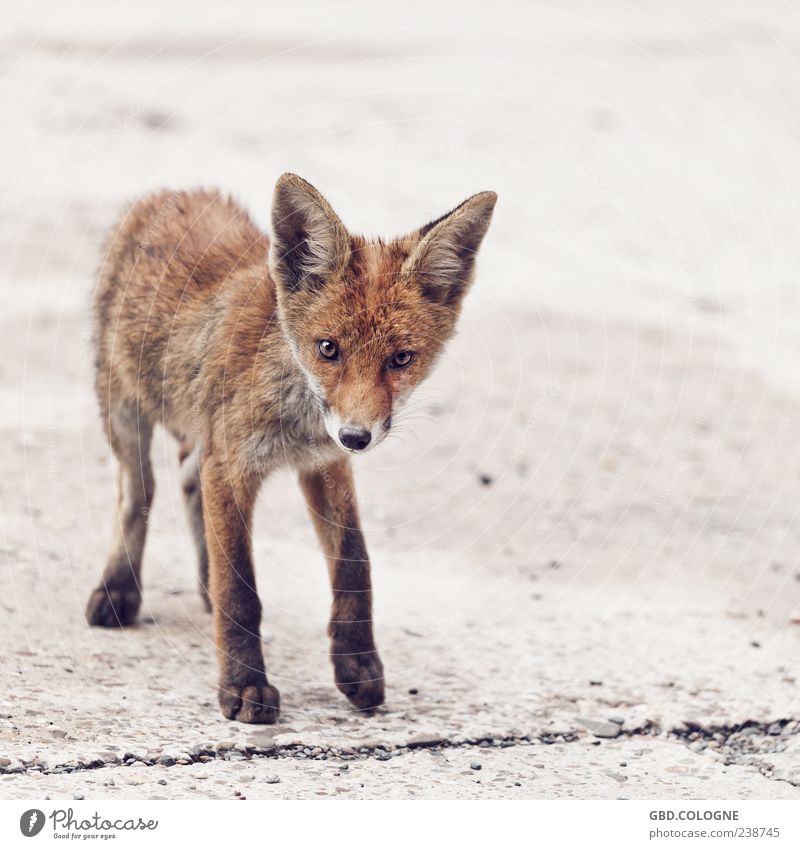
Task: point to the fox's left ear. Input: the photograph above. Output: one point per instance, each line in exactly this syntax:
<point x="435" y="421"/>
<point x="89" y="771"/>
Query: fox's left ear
<point x="443" y="261"/>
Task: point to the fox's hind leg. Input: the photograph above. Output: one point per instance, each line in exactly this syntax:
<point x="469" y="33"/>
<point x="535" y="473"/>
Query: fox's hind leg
<point x="193" y="498"/>
<point x="116" y="601"/>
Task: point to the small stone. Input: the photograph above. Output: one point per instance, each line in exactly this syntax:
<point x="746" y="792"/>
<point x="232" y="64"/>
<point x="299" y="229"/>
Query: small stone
<point x="162" y="781"/>
<point x="698" y="745"/>
<point x="5" y="762"/>
<point x="272" y="779"/>
<point x="424" y="741"/>
<point x="166" y="760"/>
<point x="617" y="720"/>
<point x="607" y="730"/>
<point x="474" y="765"/>
<point x="78" y="797"/>
<point x="413" y="691"/>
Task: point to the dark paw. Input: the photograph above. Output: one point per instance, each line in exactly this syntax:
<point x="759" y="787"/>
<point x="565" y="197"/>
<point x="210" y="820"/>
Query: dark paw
<point x="359" y="675"/>
<point x="260" y="705"/>
<point x="113" y="608"/>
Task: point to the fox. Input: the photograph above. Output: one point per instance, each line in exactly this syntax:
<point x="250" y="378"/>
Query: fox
<point x="258" y="352"/>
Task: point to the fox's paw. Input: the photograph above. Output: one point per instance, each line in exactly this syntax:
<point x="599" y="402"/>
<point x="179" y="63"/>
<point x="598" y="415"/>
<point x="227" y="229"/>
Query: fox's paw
<point x="260" y="705"/>
<point x="359" y="676"/>
<point x="113" y="608"/>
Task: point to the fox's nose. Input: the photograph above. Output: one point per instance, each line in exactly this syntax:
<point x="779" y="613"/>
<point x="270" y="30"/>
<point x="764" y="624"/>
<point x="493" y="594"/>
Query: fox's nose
<point x="355" y="438"/>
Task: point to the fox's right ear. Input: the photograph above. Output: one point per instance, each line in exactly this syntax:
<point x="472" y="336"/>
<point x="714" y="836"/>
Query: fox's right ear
<point x="309" y="242"/>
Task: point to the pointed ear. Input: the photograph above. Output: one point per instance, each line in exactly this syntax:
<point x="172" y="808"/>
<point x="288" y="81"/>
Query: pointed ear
<point x="444" y="260"/>
<point x="309" y="242"/>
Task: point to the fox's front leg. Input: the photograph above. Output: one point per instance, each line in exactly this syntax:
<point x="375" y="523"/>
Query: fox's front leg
<point x="331" y="501"/>
<point x="244" y="692"/>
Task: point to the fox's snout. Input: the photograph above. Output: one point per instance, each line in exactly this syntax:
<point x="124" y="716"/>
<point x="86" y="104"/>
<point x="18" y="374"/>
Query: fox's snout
<point x="355" y="437"/>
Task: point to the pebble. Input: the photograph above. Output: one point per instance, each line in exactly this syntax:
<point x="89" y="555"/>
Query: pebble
<point x="166" y="760"/>
<point x="601" y="729"/>
<point x="272" y="779"/>
<point x="424" y="740"/>
<point x="162" y="781"/>
<point x="5" y="762"/>
<point x="474" y="765"/>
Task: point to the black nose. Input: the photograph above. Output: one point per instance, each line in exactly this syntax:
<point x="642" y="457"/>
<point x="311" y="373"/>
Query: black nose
<point x="355" y="438"/>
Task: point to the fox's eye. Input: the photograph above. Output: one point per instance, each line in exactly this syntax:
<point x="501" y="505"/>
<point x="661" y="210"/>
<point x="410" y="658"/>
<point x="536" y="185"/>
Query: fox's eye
<point x="328" y="350"/>
<point x="401" y="359"/>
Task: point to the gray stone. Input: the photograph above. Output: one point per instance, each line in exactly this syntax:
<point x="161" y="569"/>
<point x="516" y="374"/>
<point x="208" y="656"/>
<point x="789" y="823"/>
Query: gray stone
<point x="601" y="728"/>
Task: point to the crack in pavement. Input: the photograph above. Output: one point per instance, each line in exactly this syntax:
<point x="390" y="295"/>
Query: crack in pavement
<point x="732" y="742"/>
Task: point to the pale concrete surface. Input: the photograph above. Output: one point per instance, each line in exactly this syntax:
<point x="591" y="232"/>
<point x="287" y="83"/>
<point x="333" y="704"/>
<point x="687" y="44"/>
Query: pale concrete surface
<point x="592" y="514"/>
<point x="641" y="769"/>
<point x="506" y="621"/>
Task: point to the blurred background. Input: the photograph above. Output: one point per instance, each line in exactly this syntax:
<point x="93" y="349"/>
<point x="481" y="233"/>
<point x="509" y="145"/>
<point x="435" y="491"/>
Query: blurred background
<point x="601" y="482"/>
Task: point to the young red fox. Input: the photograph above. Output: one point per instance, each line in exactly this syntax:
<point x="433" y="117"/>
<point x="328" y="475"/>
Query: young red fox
<point x="255" y="355"/>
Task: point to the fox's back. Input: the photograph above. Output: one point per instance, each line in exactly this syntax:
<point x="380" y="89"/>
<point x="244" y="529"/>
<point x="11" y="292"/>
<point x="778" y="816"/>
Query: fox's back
<point x="168" y="268"/>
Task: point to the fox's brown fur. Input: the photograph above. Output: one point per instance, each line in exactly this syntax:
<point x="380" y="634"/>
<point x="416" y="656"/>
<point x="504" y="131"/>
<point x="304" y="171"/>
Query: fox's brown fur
<point x="204" y="327"/>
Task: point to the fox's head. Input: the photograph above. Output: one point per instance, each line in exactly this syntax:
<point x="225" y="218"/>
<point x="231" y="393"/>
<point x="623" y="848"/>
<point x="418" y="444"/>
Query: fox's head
<point x="366" y="319"/>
